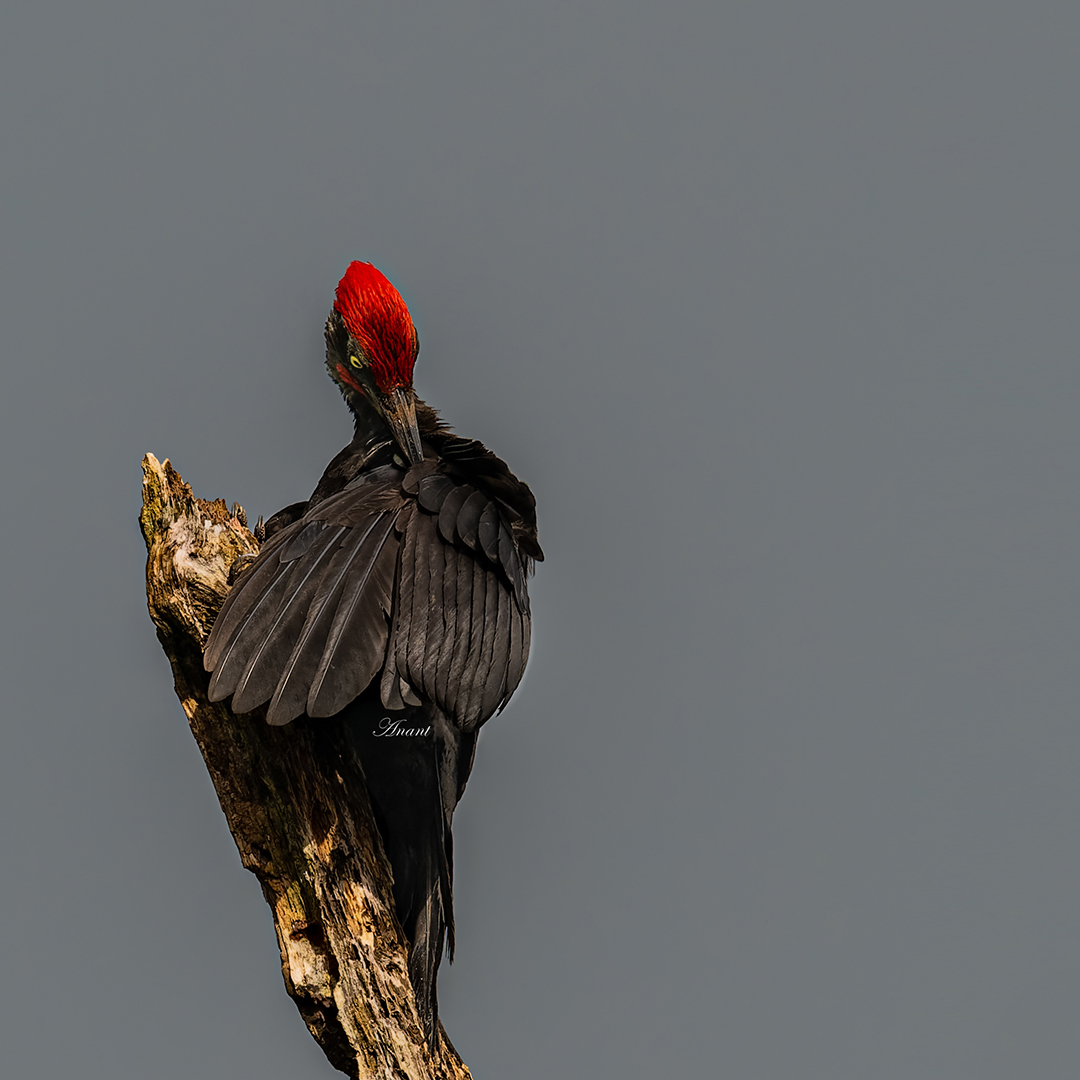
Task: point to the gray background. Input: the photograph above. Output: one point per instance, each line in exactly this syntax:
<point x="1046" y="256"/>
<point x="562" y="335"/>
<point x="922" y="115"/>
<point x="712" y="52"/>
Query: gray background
<point x="774" y="305"/>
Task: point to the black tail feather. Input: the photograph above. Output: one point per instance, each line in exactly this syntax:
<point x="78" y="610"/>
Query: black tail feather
<point x="415" y="765"/>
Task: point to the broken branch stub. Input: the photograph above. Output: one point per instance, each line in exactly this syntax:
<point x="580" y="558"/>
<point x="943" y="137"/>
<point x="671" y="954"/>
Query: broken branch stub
<point x="297" y="806"/>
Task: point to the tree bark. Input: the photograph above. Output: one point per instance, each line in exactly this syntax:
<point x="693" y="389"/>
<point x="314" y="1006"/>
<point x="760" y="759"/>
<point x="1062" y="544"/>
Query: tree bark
<point x="297" y="806"/>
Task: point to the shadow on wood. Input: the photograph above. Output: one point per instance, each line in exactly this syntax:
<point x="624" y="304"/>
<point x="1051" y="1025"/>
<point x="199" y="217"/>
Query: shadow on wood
<point x="297" y="806"/>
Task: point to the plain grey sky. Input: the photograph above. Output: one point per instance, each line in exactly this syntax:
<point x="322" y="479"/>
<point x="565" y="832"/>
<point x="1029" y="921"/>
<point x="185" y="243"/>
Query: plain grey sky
<point x="774" y="305"/>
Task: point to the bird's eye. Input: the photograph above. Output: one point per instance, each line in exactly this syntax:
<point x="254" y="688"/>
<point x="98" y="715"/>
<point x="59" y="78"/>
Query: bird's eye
<point x="355" y="361"/>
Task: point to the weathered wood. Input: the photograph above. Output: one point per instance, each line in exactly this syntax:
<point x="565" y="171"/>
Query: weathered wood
<point x="295" y="800"/>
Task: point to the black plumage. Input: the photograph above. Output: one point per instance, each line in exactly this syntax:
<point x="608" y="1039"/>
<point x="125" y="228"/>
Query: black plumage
<point x="395" y="596"/>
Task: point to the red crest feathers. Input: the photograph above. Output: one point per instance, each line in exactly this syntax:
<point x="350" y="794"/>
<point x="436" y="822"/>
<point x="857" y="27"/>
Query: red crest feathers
<point x="378" y="319"/>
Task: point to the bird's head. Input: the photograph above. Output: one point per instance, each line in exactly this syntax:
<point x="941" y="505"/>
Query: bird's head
<point x="371" y="346"/>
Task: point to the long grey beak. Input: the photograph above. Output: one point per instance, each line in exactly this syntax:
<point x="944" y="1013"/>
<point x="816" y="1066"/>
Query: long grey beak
<point x="399" y="411"/>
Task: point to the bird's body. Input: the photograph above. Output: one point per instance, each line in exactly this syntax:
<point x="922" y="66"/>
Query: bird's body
<point x="395" y="598"/>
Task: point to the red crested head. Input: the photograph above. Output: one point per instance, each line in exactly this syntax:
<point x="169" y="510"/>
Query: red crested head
<point x="379" y="322"/>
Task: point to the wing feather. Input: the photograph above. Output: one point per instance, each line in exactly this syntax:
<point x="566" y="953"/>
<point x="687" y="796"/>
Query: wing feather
<point x="356" y="641"/>
<point x="448" y="512"/>
<point x="273" y="637"/>
<point x="489" y="532"/>
<point x="432" y="490"/>
<point x="510" y="561"/>
<point x="495" y="686"/>
<point x="390" y="686"/>
<point x="404" y="594"/>
<point x="436" y="626"/>
<point x="421" y="599"/>
<point x="515" y="663"/>
<point x="466" y="568"/>
<point x="484" y="671"/>
<point x="295" y="678"/>
<point x="254" y="587"/>
<point x="526" y="636"/>
<point x="463" y="701"/>
<point x="467" y="525"/>
<point x="450" y="622"/>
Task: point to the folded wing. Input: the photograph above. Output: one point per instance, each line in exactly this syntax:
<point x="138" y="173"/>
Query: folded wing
<point x="412" y="576"/>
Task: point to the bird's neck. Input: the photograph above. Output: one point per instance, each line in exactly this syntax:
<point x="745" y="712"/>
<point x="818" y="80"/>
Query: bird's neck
<point x="369" y="428"/>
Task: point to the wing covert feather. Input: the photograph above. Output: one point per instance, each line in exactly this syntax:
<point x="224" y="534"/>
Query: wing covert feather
<point x="468" y="519"/>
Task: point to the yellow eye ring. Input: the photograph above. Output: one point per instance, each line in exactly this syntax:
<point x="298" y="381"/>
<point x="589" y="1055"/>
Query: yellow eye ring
<point x="355" y="362"/>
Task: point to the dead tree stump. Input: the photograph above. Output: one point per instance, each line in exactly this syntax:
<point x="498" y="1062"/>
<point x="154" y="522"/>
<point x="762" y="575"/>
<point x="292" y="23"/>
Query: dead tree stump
<point x="297" y="806"/>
